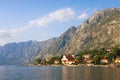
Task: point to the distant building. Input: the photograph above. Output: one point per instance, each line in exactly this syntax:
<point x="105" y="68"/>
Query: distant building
<point x="67" y="59"/>
<point x="104" y="60"/>
<point x="87" y="58"/>
<point x="117" y="60"/>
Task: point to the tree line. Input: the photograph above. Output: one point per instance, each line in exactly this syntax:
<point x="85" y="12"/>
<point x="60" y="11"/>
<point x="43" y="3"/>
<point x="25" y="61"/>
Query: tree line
<point x="96" y="55"/>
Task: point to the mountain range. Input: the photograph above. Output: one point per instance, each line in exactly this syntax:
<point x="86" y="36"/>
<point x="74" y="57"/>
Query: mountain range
<point x="101" y="30"/>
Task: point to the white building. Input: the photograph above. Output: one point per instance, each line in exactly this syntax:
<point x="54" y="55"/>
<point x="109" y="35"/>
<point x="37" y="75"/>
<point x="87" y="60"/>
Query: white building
<point x="67" y="59"/>
<point x="104" y="60"/>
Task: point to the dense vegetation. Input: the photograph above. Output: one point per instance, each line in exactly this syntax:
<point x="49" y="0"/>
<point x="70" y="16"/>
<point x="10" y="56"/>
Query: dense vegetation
<point x="95" y="55"/>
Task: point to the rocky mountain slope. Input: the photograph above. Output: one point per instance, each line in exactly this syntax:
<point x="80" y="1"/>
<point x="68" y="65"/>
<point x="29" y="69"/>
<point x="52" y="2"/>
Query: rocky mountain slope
<point x="59" y="44"/>
<point x="22" y="52"/>
<point x="101" y="30"/>
<point x="16" y="53"/>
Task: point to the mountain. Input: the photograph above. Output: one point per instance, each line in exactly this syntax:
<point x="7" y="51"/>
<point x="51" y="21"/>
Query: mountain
<point x="16" y="53"/>
<point x="22" y="52"/>
<point x="58" y="44"/>
<point x="101" y="30"/>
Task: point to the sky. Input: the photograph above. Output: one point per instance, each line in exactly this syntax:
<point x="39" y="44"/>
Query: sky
<point x="24" y="20"/>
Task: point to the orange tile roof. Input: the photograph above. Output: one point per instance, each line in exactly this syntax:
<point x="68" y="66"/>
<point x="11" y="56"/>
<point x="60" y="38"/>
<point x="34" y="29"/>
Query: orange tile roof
<point x="118" y="58"/>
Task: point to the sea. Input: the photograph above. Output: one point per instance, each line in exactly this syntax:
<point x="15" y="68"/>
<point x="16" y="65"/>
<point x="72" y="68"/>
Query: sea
<point x="13" y="72"/>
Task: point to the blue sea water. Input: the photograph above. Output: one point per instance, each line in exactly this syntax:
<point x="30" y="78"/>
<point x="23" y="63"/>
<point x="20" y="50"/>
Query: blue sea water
<point x="9" y="72"/>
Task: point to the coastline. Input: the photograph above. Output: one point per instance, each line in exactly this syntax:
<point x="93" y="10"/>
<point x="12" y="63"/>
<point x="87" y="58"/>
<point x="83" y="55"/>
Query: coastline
<point x="79" y="65"/>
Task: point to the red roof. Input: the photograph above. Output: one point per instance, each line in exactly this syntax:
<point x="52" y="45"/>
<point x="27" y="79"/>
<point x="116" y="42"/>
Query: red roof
<point x="118" y="58"/>
<point x="88" y="60"/>
<point x="69" y="57"/>
<point x="104" y="58"/>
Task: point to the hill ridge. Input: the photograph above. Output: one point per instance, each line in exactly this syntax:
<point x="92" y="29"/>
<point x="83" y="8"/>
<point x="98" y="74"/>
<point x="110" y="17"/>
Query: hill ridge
<point x="101" y="30"/>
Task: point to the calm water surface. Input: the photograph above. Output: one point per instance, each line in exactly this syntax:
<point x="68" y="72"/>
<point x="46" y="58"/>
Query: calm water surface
<point x="58" y="73"/>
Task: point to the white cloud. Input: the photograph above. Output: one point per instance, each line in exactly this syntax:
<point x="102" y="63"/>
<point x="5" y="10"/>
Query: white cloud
<point x="6" y="33"/>
<point x="83" y="16"/>
<point x="61" y="15"/>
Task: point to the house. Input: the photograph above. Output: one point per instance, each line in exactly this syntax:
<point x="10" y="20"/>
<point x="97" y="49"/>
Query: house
<point x="104" y="60"/>
<point x="87" y="58"/>
<point x="117" y="60"/>
<point x="67" y="59"/>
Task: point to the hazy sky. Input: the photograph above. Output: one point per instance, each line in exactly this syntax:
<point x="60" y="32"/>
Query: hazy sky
<point x="23" y="20"/>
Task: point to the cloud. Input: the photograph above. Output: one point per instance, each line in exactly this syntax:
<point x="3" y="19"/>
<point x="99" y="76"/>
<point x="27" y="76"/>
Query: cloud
<point x="83" y="16"/>
<point x="61" y="15"/>
<point x="11" y="32"/>
<point x="7" y="33"/>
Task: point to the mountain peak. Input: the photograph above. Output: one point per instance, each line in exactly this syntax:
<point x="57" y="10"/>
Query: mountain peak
<point x="72" y="29"/>
<point x="98" y="17"/>
<point x="101" y="30"/>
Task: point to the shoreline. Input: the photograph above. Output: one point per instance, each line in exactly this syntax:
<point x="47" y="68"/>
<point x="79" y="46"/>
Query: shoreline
<point x="79" y="65"/>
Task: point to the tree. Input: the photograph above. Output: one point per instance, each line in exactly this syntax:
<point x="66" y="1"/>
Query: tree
<point x="44" y="62"/>
<point x="96" y="60"/>
<point x="114" y="54"/>
<point x="37" y="61"/>
<point x="55" y="58"/>
<point x="78" y="59"/>
<point x="51" y="61"/>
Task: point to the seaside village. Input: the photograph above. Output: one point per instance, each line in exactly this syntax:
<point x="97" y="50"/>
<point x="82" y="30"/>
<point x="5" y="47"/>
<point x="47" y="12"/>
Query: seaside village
<point x="107" y="56"/>
<point x="70" y="60"/>
<point x="88" y="60"/>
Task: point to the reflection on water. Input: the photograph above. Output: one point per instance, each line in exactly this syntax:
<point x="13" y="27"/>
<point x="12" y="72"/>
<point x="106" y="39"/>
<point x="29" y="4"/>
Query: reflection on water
<point x="58" y="73"/>
<point x="90" y="73"/>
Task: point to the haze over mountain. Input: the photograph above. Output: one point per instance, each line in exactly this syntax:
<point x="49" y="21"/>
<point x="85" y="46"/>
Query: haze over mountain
<point x="101" y="30"/>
